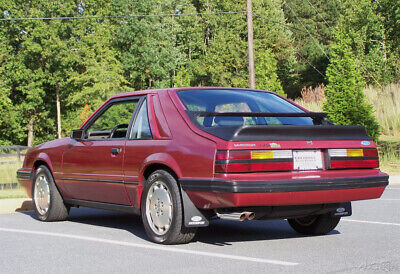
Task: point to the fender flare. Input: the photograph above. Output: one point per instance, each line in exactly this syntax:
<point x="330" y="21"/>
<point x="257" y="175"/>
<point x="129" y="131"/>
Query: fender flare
<point x="161" y="158"/>
<point x="44" y="158"/>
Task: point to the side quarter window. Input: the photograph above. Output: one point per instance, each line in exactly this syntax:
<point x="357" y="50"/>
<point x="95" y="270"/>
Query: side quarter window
<point x="141" y="128"/>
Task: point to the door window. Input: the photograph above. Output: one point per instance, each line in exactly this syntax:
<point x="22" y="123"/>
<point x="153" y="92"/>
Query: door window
<point x="113" y="122"/>
<point x="141" y="129"/>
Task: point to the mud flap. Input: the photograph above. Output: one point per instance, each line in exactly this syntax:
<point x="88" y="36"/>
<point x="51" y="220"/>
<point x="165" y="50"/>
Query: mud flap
<point x="343" y="210"/>
<point x="192" y="216"/>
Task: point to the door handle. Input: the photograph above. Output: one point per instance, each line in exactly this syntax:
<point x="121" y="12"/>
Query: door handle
<point x="115" y="150"/>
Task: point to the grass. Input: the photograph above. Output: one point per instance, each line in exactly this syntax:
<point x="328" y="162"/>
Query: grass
<point x="312" y="106"/>
<point x="8" y="171"/>
<point x="12" y="193"/>
<point x="8" y="176"/>
<point x="389" y="154"/>
<point x="386" y="103"/>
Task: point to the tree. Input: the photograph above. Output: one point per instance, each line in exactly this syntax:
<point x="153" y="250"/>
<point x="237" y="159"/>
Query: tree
<point x="224" y="62"/>
<point x="346" y="102"/>
<point x="266" y="76"/>
<point x="5" y="103"/>
<point x="100" y="74"/>
<point x="274" y="35"/>
<point x="50" y="57"/>
<point x="390" y="12"/>
<point x="147" y="44"/>
<point x="364" y="26"/>
<point x="312" y="22"/>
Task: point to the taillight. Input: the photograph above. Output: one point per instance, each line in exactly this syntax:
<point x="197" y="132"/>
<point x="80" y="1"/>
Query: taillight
<point x="353" y="158"/>
<point x="230" y="161"/>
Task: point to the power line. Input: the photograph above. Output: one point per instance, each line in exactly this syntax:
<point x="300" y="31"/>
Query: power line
<point x="288" y="26"/>
<point x="311" y="64"/>
<point x="315" y="40"/>
<point x="364" y="69"/>
<point x="319" y="14"/>
<point x="279" y="23"/>
<point x="377" y="1"/>
<point x="120" y="16"/>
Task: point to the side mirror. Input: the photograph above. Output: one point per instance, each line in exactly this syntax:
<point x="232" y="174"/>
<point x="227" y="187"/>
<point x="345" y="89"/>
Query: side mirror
<point x="77" y="134"/>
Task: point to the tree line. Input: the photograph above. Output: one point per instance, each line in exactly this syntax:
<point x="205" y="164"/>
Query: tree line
<point x="81" y="62"/>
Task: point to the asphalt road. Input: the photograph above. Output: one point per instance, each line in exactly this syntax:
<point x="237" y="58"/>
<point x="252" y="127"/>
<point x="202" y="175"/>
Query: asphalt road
<point x="103" y="242"/>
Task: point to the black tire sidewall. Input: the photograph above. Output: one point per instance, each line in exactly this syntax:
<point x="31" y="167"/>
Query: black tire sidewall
<point x="176" y="223"/>
<point x="322" y="224"/>
<point x="43" y="170"/>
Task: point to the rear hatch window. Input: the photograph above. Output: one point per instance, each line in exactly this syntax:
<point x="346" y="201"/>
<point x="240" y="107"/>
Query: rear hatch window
<point x="201" y="104"/>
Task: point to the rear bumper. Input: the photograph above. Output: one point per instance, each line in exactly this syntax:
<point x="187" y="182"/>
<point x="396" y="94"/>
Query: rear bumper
<point x="217" y="193"/>
<point x="226" y="186"/>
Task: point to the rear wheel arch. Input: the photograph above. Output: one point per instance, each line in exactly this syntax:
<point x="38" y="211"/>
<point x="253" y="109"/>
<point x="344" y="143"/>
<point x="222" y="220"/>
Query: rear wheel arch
<point x="36" y="165"/>
<point x="149" y="169"/>
<point x="39" y="163"/>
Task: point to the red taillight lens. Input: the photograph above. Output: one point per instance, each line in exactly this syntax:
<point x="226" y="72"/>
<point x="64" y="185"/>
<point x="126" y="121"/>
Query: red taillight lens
<point x="353" y="158"/>
<point x="232" y="161"/>
<point x="371" y="152"/>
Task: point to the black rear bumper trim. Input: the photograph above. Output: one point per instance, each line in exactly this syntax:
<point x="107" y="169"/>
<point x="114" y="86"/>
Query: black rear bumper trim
<point x="225" y="186"/>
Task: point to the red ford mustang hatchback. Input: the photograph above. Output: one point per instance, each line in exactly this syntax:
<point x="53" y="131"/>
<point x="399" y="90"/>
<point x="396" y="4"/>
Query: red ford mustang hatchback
<point x="180" y="157"/>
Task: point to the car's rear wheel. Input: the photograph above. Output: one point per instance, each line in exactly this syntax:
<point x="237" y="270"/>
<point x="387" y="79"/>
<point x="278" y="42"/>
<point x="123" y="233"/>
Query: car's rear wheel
<point x="314" y="225"/>
<point x="162" y="212"/>
<point x="48" y="203"/>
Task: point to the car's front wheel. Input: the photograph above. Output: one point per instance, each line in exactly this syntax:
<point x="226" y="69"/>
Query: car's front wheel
<point x="162" y="212"/>
<point x="314" y="225"/>
<point x="48" y="203"/>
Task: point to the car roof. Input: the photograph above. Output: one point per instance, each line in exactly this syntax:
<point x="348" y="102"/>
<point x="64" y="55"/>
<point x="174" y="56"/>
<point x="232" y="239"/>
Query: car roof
<point x="153" y="91"/>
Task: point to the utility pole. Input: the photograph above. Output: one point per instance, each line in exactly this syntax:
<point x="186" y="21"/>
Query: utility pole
<point x="58" y="112"/>
<point x="252" y="77"/>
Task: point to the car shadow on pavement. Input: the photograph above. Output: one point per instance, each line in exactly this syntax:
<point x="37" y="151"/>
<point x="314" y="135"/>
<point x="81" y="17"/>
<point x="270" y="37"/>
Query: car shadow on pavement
<point x="222" y="232"/>
<point x="219" y="232"/>
<point x="104" y="218"/>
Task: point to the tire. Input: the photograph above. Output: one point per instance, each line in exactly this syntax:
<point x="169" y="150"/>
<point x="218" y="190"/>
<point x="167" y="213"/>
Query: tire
<point x="162" y="212"/>
<point x="47" y="201"/>
<point x="314" y="225"/>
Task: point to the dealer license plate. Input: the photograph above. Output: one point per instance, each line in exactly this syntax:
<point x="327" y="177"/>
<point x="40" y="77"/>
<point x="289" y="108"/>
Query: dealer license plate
<point x="307" y="159"/>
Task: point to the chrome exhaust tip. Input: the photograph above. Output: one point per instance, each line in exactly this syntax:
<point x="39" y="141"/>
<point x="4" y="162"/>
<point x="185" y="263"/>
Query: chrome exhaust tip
<point x="237" y="216"/>
<point x="249" y="215"/>
<point x="234" y="216"/>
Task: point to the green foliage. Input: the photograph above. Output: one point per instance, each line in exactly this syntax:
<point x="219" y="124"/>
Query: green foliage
<point x="147" y="45"/>
<point x="117" y="114"/>
<point x="266" y="68"/>
<point x="364" y="27"/>
<point x="70" y="56"/>
<point x="182" y="78"/>
<point x="389" y="10"/>
<point x="313" y="21"/>
<point x="346" y="102"/>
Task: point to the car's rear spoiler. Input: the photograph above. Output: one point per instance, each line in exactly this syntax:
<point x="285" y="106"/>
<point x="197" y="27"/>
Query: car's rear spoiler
<point x="288" y="133"/>
<point x="323" y="130"/>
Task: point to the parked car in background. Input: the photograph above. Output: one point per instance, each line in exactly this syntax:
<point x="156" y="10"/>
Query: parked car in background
<point x="180" y="157"/>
